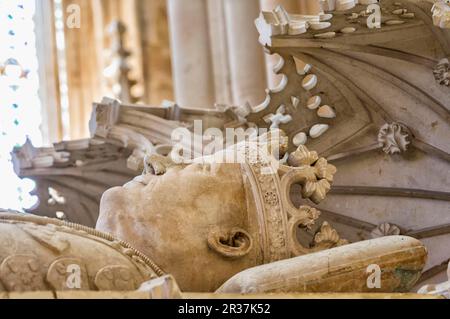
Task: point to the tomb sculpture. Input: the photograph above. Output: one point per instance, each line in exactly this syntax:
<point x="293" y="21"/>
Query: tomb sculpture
<point x="235" y="221"/>
<point x="374" y="102"/>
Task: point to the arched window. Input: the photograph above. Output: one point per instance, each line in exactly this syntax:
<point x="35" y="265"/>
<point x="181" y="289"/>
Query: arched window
<point x="20" y="107"/>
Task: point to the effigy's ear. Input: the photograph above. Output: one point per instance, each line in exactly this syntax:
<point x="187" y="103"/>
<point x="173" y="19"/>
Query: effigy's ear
<point x="230" y="243"/>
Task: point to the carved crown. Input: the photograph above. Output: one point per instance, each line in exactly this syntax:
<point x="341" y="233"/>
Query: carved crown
<point x="279" y="218"/>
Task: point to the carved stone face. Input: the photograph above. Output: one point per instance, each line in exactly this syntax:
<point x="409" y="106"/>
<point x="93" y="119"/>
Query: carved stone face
<point x="194" y="221"/>
<point x="205" y="222"/>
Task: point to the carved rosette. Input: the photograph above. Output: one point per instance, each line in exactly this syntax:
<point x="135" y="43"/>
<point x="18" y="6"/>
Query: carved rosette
<point x="442" y="71"/>
<point x="394" y="138"/>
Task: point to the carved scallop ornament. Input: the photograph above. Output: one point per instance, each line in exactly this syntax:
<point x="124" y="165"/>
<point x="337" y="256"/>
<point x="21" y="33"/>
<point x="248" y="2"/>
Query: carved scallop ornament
<point x="385" y="229"/>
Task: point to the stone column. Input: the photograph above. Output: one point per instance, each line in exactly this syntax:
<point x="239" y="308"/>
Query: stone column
<point x="191" y="57"/>
<point x="219" y="51"/>
<point x="84" y="68"/>
<point x="311" y="7"/>
<point x="247" y="65"/>
<point x="153" y="30"/>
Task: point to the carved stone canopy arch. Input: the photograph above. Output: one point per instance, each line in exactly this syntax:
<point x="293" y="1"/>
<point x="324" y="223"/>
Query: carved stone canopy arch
<point x="388" y="126"/>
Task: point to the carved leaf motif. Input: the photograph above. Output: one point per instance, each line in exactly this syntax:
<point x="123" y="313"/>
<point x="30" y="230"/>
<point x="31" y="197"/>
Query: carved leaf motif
<point x="442" y="72"/>
<point x="314" y="174"/>
<point x="306" y="216"/>
<point x="328" y="237"/>
<point x="324" y="170"/>
<point x="316" y="191"/>
<point x="302" y="156"/>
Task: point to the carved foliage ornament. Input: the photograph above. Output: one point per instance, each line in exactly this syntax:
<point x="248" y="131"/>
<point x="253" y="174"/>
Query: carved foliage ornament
<point x="315" y="176"/>
<point x="281" y="218"/>
<point x="394" y="138"/>
<point x="442" y="72"/>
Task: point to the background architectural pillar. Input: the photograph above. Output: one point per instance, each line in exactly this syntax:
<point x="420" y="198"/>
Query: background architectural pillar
<point x="52" y="130"/>
<point x="312" y="7"/>
<point x="84" y="70"/>
<point x="247" y="65"/>
<point x="219" y="51"/>
<point x="155" y="52"/>
<point x="191" y="53"/>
